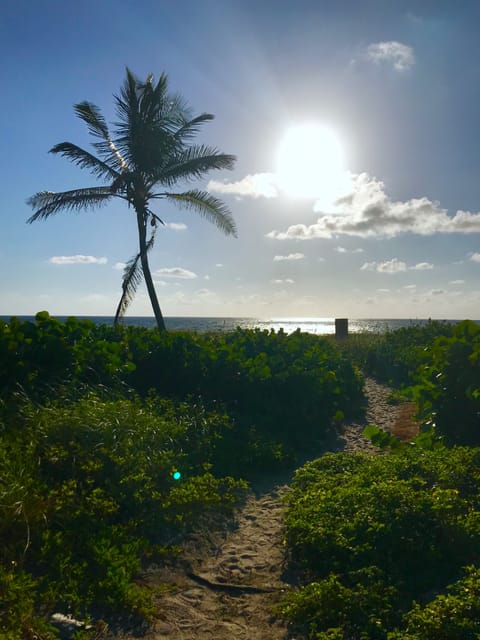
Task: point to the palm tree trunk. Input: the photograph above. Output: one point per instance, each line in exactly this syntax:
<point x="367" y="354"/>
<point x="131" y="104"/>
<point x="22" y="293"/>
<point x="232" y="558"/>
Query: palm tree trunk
<point x="152" y="294"/>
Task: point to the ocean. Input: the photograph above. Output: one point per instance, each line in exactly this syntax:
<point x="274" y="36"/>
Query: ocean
<point x="319" y="326"/>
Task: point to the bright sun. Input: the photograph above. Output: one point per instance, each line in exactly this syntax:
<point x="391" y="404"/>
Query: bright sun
<point x="311" y="163"/>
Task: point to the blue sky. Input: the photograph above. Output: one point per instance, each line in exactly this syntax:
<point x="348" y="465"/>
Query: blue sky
<point x="391" y="230"/>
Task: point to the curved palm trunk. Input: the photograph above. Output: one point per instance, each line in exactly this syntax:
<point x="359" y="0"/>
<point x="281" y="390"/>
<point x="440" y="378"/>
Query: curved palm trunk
<point x="152" y="294"/>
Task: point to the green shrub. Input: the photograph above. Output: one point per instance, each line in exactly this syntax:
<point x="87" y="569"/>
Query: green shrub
<point x="369" y="535"/>
<point x="282" y="389"/>
<point x="394" y="358"/>
<point x="88" y="491"/>
<point x="448" y="390"/>
<point x="283" y="392"/>
<point x="36" y="357"/>
<point x="451" y="616"/>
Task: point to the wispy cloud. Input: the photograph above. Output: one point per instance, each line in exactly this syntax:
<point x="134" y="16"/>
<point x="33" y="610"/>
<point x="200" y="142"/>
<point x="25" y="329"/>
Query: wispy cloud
<point x="286" y="281"/>
<point x="176" y="226"/>
<point x="254" y="186"/>
<point x="344" y="250"/>
<point x="399" y="55"/>
<point x="475" y="257"/>
<point x="78" y="259"/>
<point x="457" y="282"/>
<point x="291" y="256"/>
<point x="395" y="266"/>
<point x="119" y="266"/>
<point x="368" y="212"/>
<point x="175" y="272"/>
<point x="389" y="266"/>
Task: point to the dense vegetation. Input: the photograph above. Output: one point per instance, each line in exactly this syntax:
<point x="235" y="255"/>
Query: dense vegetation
<point x="114" y="443"/>
<point x="387" y="547"/>
<point x="95" y="422"/>
<point x="377" y="540"/>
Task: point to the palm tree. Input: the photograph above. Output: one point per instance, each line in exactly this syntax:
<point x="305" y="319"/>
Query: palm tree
<point x="149" y="152"/>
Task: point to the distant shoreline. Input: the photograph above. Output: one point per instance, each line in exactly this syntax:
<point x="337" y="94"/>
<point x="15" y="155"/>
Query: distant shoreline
<point x="320" y="326"/>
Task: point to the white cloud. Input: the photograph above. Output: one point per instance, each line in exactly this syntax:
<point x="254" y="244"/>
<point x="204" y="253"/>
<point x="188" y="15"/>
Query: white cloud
<point x="286" y="281"/>
<point x="394" y="266"/>
<point x="291" y="256"/>
<point x="401" y="56"/>
<point x="344" y="250"/>
<point x="206" y="277"/>
<point x="78" y="259"/>
<point x="119" y="266"/>
<point x="161" y="283"/>
<point x="383" y="290"/>
<point x="410" y="286"/>
<point x="437" y="292"/>
<point x="219" y="264"/>
<point x="175" y="272"/>
<point x="457" y="282"/>
<point x="368" y="212"/>
<point x="176" y="226"/>
<point x="389" y="266"/>
<point x="204" y="293"/>
<point x="255" y="186"/>
<point x="475" y="257"/>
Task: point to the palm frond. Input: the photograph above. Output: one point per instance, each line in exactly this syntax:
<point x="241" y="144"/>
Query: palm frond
<point x="154" y="218"/>
<point x="84" y="159"/>
<point x="193" y="163"/>
<point x="92" y="116"/>
<point x="97" y="126"/>
<point x="132" y="277"/>
<point x="46" y="203"/>
<point x="111" y="155"/>
<point x="146" y="123"/>
<point x="207" y="206"/>
<point x="127" y="101"/>
<point x="191" y="127"/>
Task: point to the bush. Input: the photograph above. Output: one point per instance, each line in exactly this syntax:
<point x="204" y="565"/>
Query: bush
<point x="451" y="616"/>
<point x="88" y="491"/>
<point x="394" y="357"/>
<point x="282" y="389"/>
<point x="37" y="357"/>
<point x="284" y="393"/>
<point x="448" y="390"/>
<point x="368" y="536"/>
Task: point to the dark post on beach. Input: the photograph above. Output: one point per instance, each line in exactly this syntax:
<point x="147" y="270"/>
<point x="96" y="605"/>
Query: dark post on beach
<point x="341" y="328"/>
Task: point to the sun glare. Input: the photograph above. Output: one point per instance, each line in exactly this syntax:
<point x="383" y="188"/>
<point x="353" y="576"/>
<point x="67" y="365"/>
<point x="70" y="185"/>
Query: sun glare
<point x="311" y="163"/>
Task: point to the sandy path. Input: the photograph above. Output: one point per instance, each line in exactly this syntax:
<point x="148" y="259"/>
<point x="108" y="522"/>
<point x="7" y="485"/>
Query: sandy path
<point x="395" y="418"/>
<point x="228" y="592"/>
